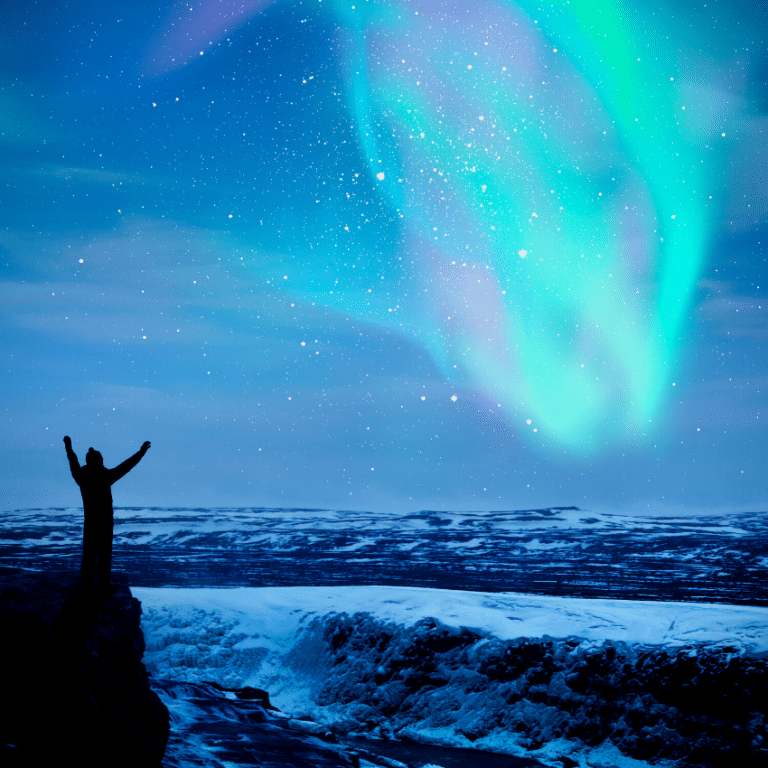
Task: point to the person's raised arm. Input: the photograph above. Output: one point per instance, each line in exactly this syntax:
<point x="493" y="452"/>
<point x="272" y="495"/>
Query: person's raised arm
<point x="124" y="468"/>
<point x="74" y="464"/>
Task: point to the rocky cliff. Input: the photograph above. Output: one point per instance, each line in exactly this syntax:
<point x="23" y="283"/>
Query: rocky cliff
<point x="696" y="706"/>
<point x="74" y="688"/>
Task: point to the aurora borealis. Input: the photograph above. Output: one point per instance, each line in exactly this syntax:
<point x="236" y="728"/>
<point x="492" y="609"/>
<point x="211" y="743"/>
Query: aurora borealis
<point x="486" y="255"/>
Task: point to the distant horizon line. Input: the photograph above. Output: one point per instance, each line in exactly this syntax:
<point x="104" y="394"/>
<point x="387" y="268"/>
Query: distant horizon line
<point x="662" y="511"/>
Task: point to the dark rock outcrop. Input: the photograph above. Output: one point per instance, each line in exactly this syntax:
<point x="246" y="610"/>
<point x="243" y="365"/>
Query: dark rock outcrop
<point x="698" y="706"/>
<point x="74" y="688"/>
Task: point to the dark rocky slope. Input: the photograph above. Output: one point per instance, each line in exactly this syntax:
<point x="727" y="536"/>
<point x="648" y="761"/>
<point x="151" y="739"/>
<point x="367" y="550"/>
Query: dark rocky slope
<point x="74" y="687"/>
<point x="700" y="706"/>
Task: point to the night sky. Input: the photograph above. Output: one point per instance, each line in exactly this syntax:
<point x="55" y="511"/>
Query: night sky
<point x="388" y="254"/>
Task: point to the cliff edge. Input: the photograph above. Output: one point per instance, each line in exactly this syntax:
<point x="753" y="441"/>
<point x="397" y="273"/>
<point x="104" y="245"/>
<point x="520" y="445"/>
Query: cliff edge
<point x="74" y="685"/>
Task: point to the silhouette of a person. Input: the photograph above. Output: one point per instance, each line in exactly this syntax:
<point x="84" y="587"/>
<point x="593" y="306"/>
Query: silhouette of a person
<point x="95" y="482"/>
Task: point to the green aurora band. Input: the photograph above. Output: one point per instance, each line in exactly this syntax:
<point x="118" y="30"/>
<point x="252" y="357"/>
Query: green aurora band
<point x="552" y="178"/>
<point x="558" y="153"/>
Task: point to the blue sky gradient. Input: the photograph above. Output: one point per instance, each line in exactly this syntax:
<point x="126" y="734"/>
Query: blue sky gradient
<point x="384" y="257"/>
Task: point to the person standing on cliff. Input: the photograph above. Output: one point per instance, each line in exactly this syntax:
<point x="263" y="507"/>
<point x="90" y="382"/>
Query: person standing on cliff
<point x="95" y="482"/>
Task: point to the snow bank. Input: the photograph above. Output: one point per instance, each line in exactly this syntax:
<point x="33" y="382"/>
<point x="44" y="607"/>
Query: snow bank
<point x="274" y="614"/>
<point x="537" y="676"/>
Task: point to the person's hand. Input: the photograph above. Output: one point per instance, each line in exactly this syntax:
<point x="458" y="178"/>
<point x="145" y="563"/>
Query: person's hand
<point x="145" y="447"/>
<point x="67" y="441"/>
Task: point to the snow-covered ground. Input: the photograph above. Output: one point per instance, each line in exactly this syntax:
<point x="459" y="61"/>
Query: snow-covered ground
<point x="272" y="617"/>
<point x="525" y="675"/>
<point x="506" y="630"/>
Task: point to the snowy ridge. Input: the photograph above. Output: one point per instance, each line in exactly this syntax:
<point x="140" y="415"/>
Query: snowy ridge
<point x="612" y="682"/>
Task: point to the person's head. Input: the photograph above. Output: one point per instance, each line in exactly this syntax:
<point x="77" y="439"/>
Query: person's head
<point x="94" y="458"/>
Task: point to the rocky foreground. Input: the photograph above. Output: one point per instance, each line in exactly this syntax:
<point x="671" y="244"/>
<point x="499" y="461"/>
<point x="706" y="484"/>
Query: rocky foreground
<point x="691" y="707"/>
<point x="75" y="688"/>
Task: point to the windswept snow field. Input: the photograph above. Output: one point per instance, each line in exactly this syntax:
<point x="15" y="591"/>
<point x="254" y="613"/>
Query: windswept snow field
<point x="560" y="551"/>
<point x="562" y="635"/>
